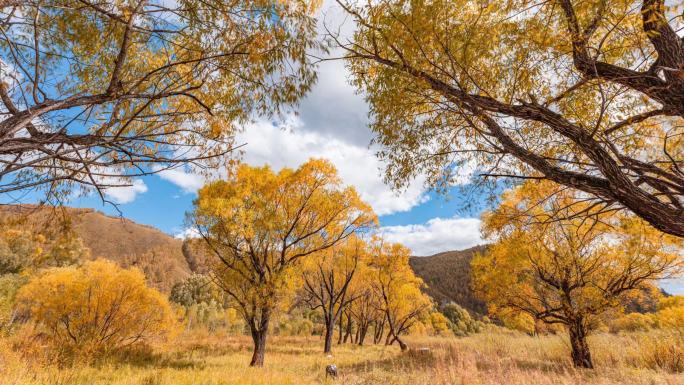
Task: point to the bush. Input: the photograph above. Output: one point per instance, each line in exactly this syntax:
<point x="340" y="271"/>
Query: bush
<point x="95" y="309"/>
<point x="9" y="286"/>
<point x="460" y="321"/>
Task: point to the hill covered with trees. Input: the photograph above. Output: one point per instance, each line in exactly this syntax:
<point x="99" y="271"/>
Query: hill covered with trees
<point x="121" y="240"/>
<point x="447" y="276"/>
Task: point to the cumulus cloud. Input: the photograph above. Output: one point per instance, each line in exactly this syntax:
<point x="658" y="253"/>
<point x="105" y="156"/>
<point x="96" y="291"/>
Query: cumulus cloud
<point x="436" y="235"/>
<point x="267" y="143"/>
<point x="126" y="194"/>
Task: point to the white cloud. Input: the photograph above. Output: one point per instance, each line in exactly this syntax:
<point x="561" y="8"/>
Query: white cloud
<point x="126" y="194"/>
<point x="436" y="235"/>
<point x="187" y="181"/>
<point x="357" y="165"/>
<point x="189" y="232"/>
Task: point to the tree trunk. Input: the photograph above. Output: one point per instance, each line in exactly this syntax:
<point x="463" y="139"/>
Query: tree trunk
<point x="329" y="331"/>
<point x="362" y="333"/>
<point x="402" y="345"/>
<point x="259" y="331"/>
<point x="378" y="332"/>
<point x="581" y="356"/>
<point x="389" y="340"/>
<point x="348" y="332"/>
<point x="259" y="338"/>
<point x="339" y="339"/>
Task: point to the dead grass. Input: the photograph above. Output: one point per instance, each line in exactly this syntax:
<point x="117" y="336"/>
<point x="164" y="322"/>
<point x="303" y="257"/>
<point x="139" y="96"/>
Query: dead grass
<point x="488" y="358"/>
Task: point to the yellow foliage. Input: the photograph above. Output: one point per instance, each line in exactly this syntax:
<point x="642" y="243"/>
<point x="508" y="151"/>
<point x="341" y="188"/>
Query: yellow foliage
<point x="439" y="323"/>
<point x="96" y="308"/>
<point x="397" y="287"/>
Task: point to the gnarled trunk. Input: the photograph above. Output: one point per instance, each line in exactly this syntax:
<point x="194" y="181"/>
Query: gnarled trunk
<point x="581" y="356"/>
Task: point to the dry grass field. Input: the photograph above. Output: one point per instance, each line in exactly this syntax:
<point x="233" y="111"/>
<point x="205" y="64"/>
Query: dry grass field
<point x="488" y="358"/>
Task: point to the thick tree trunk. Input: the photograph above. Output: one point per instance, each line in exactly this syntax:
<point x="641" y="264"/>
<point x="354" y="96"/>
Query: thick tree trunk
<point x="259" y="331"/>
<point x="581" y="356"/>
<point x="259" y="338"/>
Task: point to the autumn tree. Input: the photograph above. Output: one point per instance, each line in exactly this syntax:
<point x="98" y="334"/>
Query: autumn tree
<point x="327" y="279"/>
<point x="366" y="310"/>
<point x="96" y="308"/>
<point x="260" y="225"/>
<point x="398" y="288"/>
<point x="567" y="272"/>
<point x="94" y="93"/>
<point x="588" y="94"/>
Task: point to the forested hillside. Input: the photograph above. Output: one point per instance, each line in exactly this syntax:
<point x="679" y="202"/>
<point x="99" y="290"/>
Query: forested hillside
<point x="448" y="277"/>
<point x="157" y="254"/>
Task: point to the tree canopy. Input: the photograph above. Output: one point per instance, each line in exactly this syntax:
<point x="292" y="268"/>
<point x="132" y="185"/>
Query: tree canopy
<point x="587" y="94"/>
<point x="95" y="90"/>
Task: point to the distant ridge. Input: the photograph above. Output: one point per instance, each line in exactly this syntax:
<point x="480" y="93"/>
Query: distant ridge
<point x="448" y="278"/>
<point x="121" y="240"/>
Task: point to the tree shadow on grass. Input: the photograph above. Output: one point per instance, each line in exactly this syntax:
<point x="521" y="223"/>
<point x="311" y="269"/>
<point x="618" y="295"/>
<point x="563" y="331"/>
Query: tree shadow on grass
<point x="146" y="358"/>
<point x="407" y="361"/>
<point x="524" y="365"/>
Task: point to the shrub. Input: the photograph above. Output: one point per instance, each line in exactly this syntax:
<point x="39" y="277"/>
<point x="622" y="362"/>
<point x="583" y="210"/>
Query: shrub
<point x="95" y="309"/>
<point x="9" y="286"/>
<point x="460" y="321"/>
<point x="633" y="322"/>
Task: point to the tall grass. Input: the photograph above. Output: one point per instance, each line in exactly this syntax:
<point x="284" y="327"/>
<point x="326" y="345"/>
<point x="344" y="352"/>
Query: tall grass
<point x="487" y="358"/>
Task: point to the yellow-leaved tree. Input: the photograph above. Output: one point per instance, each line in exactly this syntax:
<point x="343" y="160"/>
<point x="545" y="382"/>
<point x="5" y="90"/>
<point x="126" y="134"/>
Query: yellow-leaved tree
<point x="330" y="281"/>
<point x="567" y="271"/>
<point x="96" y="308"/>
<point x="398" y="289"/>
<point x="95" y="92"/>
<point x="259" y="225"/>
<point x="588" y="94"/>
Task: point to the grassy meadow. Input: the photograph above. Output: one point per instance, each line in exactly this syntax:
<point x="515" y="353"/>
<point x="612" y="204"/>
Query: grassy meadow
<point x="486" y="358"/>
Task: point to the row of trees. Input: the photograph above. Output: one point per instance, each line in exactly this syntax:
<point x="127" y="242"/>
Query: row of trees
<point x="267" y="234"/>
<point x="371" y="285"/>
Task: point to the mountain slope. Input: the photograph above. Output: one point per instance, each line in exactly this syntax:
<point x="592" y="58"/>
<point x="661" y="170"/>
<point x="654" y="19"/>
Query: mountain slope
<point x="448" y="278"/>
<point x="159" y="255"/>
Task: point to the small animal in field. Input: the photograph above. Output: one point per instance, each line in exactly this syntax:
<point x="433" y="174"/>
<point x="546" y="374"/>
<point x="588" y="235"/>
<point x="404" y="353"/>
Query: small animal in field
<point x="331" y="370"/>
